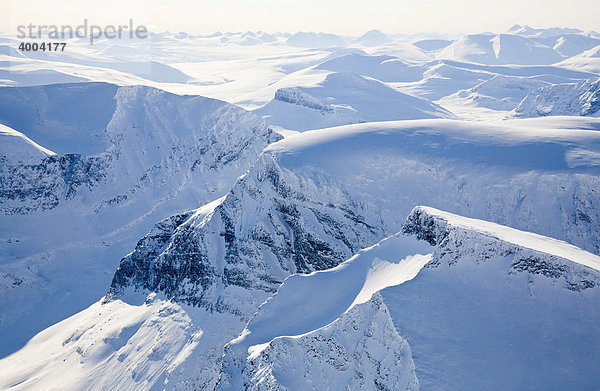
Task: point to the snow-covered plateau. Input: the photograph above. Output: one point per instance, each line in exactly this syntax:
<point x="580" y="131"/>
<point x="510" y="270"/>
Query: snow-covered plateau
<point x="308" y="211"/>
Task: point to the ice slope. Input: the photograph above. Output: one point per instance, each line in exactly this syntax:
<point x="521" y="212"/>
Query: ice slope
<point x="127" y="157"/>
<point x="581" y="98"/>
<point x="16" y="148"/>
<point x="344" y="98"/>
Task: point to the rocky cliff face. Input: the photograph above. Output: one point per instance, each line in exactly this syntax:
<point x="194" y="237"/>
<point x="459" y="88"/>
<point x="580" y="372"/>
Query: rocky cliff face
<point x="27" y="188"/>
<point x="261" y="232"/>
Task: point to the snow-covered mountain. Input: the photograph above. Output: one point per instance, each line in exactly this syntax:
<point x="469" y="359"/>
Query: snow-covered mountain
<point x="315" y="40"/>
<point x="581" y="98"/>
<point x="111" y="161"/>
<point x="499" y="49"/>
<point x="315" y="199"/>
<point x="528" y="31"/>
<point x="588" y="61"/>
<point x="250" y="261"/>
<point x="477" y="283"/>
<point x="512" y="310"/>
<point x="373" y="38"/>
<point x="535" y="48"/>
<point x="295" y="328"/>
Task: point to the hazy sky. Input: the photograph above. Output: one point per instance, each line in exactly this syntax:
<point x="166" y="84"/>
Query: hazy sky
<point x="337" y="16"/>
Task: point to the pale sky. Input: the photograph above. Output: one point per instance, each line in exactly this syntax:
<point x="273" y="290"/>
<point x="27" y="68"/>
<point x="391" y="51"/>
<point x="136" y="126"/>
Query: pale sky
<point x="350" y="17"/>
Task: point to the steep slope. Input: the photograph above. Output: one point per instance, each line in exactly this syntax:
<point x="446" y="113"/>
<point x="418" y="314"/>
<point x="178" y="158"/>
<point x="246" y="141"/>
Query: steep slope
<point x="316" y="198"/>
<point x="561" y="99"/>
<point x="128" y="157"/>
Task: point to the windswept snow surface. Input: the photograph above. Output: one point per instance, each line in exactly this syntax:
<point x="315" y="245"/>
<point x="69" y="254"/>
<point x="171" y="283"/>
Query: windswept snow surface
<point x="368" y="159"/>
<point x="319" y="298"/>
